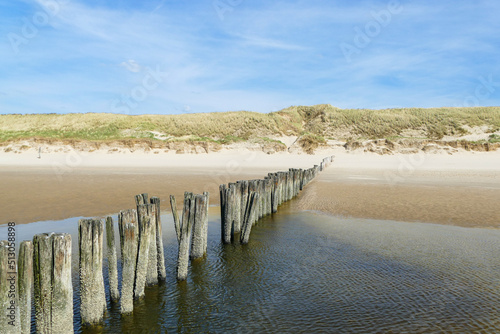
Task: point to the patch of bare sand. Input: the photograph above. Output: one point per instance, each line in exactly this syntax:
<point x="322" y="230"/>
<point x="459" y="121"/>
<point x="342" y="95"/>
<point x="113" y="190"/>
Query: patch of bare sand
<point x="449" y="205"/>
<point x="462" y="190"/>
<point x="38" y="196"/>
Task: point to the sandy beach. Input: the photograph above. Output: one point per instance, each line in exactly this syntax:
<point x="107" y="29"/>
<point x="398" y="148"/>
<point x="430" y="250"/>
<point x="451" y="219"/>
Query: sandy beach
<point x="462" y="189"/>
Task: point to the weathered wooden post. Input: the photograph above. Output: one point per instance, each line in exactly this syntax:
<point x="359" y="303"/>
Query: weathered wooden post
<point x="227" y="215"/>
<point x="290" y="186"/>
<point x="222" y="197"/>
<point x="200" y="227"/>
<point x="250" y="216"/>
<point x="184" y="229"/>
<point x="52" y="282"/>
<point x="278" y="187"/>
<point x="274" y="194"/>
<point x="147" y="239"/>
<point x="253" y="187"/>
<point x="244" y="199"/>
<point x="162" y="272"/>
<point x="263" y="198"/>
<point x="92" y="294"/>
<point x="293" y="183"/>
<point x="152" y="270"/>
<point x="295" y="173"/>
<point x="283" y="187"/>
<point x="177" y="222"/>
<point x="112" y="261"/>
<point x="141" y="199"/>
<point x="143" y="270"/>
<point x="9" y="317"/>
<point x="236" y="210"/>
<point x="301" y="179"/>
<point x="269" y="193"/>
<point x="25" y="283"/>
<point x="129" y="236"/>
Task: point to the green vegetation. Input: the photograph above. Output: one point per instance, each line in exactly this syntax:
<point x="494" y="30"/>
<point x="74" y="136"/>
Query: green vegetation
<point x="313" y="124"/>
<point x="494" y="139"/>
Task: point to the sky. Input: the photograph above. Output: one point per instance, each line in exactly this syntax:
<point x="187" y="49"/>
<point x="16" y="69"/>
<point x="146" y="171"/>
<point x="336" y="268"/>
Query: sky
<point x="179" y="56"/>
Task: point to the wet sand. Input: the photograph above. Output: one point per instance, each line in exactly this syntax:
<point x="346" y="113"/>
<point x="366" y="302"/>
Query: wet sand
<point x="355" y="186"/>
<point x="39" y="195"/>
<point x="431" y="197"/>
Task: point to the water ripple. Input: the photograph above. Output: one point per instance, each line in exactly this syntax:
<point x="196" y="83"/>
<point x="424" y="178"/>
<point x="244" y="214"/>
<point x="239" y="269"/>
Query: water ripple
<point x="307" y="272"/>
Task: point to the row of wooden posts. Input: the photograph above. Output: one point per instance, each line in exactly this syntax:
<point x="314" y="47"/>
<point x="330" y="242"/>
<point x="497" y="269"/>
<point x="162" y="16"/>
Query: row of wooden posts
<point x="244" y="202"/>
<point x="45" y="262"/>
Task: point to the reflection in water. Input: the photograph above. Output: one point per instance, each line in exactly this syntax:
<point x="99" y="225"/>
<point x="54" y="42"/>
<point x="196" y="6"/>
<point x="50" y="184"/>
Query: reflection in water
<point x="309" y="272"/>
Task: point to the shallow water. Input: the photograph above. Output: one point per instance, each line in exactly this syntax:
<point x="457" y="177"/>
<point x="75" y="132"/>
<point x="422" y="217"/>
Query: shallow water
<point x="309" y="272"/>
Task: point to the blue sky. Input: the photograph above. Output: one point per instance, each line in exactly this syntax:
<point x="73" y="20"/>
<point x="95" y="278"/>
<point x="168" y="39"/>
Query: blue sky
<point x="178" y="56"/>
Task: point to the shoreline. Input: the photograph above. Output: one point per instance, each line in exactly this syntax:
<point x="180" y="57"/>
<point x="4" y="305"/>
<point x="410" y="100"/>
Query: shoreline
<point x="461" y="189"/>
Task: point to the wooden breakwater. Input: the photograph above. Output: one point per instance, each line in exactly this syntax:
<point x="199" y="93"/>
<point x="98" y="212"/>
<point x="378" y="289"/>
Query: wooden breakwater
<point x="243" y="203"/>
<point x="44" y="264"/>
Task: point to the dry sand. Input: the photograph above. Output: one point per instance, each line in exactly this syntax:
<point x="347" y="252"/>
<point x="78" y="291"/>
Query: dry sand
<point x="461" y="189"/>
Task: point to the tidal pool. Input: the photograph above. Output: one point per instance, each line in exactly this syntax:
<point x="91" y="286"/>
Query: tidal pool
<point x="311" y="272"/>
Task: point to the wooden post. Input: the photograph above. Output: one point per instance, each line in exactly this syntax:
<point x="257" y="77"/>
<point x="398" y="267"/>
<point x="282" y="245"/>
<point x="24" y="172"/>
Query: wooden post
<point x="258" y="204"/>
<point x="147" y="236"/>
<point x="244" y="199"/>
<point x="177" y="222"/>
<point x="9" y="316"/>
<point x="142" y="270"/>
<point x="269" y="200"/>
<point x="223" y="215"/>
<point x="25" y="283"/>
<point x="277" y="187"/>
<point x="200" y="227"/>
<point x="112" y="261"/>
<point x="227" y="213"/>
<point x="289" y="186"/>
<point x="224" y="221"/>
<point x="283" y="188"/>
<point x="152" y="271"/>
<point x="262" y="197"/>
<point x="231" y="207"/>
<point x="162" y="272"/>
<point x="186" y="227"/>
<point x="92" y="294"/>
<point x="129" y="236"/>
<point x="236" y="202"/>
<point x="253" y="188"/>
<point x="296" y="185"/>
<point x="204" y="218"/>
<point x="141" y="199"/>
<point x="250" y="216"/>
<point x="52" y="282"/>
<point x="275" y="194"/>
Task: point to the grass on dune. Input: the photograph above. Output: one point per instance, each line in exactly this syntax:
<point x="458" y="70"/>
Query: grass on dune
<point x="313" y="123"/>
